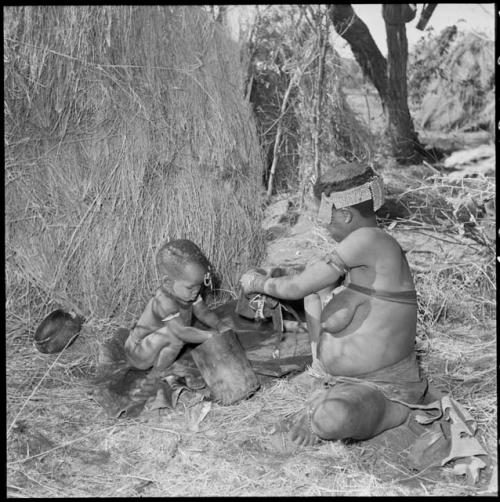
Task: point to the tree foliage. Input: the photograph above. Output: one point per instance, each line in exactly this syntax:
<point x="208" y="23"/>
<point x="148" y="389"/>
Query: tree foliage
<point x="425" y="61"/>
<point x="273" y="57"/>
<point x="296" y="80"/>
<point x="451" y="80"/>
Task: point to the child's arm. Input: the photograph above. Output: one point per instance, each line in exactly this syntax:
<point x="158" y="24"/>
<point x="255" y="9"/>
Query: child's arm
<point x="205" y="315"/>
<point x="165" y="311"/>
<point x="187" y="334"/>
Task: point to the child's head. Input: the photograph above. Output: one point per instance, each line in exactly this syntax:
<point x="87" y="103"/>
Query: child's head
<point x="344" y="187"/>
<point x="183" y="269"/>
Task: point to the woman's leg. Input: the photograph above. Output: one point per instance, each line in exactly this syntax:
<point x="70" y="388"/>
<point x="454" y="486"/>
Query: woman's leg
<point x="355" y="411"/>
<point x="347" y="411"/>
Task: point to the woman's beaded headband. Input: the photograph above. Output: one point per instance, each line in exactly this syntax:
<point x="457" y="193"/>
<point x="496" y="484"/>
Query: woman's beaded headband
<point x="373" y="189"/>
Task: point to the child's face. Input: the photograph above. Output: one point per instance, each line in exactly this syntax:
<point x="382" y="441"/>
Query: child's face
<point x="187" y="286"/>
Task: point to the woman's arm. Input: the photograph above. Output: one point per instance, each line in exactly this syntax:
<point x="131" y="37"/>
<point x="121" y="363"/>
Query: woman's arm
<point x="292" y="287"/>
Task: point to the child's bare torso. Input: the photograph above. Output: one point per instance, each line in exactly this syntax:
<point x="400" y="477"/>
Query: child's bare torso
<point x="363" y="333"/>
<point x="166" y="306"/>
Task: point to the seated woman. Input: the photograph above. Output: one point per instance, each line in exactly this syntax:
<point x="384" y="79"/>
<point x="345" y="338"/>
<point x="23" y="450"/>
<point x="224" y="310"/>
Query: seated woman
<point x="363" y="338"/>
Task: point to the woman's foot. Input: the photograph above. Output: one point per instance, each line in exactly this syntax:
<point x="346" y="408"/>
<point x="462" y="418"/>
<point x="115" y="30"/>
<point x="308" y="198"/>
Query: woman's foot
<point x="300" y="431"/>
<point x="295" y="430"/>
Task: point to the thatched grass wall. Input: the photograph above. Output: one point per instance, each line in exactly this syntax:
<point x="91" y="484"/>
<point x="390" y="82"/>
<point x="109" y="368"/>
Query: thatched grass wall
<point x="124" y="126"/>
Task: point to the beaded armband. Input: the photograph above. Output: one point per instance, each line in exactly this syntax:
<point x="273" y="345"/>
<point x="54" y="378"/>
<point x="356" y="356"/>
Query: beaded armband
<point x="333" y="259"/>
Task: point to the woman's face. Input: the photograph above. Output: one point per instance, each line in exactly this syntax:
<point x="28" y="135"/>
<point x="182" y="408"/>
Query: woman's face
<point x="339" y="227"/>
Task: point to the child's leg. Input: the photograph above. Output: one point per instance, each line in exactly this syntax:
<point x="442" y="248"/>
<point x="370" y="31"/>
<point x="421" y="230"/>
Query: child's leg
<point x="168" y="355"/>
<point x="158" y="349"/>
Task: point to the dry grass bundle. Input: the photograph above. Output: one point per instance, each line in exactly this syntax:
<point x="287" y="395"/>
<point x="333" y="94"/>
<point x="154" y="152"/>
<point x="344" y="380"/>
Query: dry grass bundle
<point x="451" y="204"/>
<point x="461" y="93"/>
<point x="125" y="126"/>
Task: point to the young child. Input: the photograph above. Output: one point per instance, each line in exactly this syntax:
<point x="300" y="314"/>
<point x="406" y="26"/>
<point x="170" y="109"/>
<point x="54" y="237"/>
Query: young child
<point x="362" y="331"/>
<point x="165" y="326"/>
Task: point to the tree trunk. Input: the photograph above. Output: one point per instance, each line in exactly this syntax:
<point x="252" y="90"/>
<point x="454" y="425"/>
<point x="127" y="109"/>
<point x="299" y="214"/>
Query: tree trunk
<point x="404" y="141"/>
<point x="352" y="29"/>
<point x="388" y="76"/>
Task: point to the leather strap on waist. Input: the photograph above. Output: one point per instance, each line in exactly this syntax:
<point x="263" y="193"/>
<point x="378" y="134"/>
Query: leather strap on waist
<point x="408" y="297"/>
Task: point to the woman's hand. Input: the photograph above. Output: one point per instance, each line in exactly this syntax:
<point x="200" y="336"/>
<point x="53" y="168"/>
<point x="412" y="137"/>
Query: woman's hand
<point x="252" y="281"/>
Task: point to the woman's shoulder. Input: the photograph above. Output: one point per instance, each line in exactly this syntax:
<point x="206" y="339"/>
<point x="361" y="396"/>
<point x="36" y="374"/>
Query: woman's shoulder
<point x="373" y="236"/>
<point x="366" y="246"/>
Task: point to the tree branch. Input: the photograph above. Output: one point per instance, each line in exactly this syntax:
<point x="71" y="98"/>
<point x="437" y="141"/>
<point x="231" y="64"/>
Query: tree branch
<point x="293" y="82"/>
<point x="352" y="29"/>
<point x="322" y="45"/>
